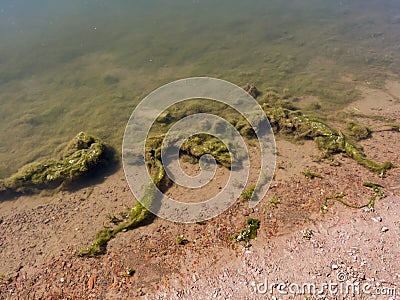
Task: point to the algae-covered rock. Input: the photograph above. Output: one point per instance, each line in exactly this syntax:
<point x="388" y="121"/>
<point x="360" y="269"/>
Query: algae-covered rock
<point x="81" y="156"/>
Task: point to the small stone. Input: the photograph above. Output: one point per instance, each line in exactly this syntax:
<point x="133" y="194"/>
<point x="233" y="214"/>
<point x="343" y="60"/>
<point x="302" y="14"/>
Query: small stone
<point x="384" y="229"/>
<point x="92" y="281"/>
<point x="62" y="279"/>
<point x="335" y="267"/>
<point x="361" y="276"/>
<point x="377" y="219"/>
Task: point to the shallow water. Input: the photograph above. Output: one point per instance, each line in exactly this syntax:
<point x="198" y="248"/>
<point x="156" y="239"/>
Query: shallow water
<point x="84" y="65"/>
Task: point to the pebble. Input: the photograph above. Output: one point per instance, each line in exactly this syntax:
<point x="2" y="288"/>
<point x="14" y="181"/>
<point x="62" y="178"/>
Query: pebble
<point x="92" y="281"/>
<point x="335" y="267"/>
<point x="377" y="219"/>
<point x="384" y="229"/>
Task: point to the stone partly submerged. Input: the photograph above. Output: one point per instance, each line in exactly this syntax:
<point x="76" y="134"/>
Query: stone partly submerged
<point x="82" y="155"/>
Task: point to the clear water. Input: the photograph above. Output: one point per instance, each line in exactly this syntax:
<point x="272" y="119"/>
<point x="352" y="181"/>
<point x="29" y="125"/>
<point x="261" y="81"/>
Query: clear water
<point x="68" y="66"/>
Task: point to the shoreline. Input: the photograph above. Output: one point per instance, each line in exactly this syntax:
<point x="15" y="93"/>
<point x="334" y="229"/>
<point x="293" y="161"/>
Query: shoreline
<point x="41" y="234"/>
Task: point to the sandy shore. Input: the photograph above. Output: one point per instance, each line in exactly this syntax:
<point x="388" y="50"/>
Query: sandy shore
<point x="297" y="242"/>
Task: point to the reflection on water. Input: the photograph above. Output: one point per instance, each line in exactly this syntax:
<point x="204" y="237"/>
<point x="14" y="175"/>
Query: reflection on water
<point x="67" y="66"/>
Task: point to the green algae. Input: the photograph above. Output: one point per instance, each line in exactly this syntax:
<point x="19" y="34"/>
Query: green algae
<point x="195" y="146"/>
<point x="202" y="144"/>
<point x="310" y="174"/>
<point x="248" y="193"/>
<point x="379" y="194"/>
<point x="284" y="118"/>
<point x="81" y="156"/>
<point x="358" y="131"/>
<point x="328" y="140"/>
<point x="137" y="217"/>
<point x="247" y="234"/>
<point x="181" y="240"/>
